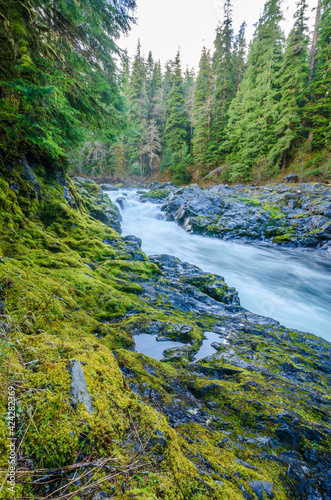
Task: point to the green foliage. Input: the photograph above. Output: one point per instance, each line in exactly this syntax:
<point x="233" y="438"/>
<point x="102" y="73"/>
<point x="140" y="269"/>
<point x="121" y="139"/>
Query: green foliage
<point x="253" y="113"/>
<point x="319" y="107"/>
<point x="59" y="76"/>
<point x="293" y="82"/>
<point x="202" y="112"/>
<point x="175" y="129"/>
<point x="224" y="74"/>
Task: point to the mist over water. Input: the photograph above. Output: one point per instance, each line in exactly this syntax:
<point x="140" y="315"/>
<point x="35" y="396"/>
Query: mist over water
<point x="290" y="285"/>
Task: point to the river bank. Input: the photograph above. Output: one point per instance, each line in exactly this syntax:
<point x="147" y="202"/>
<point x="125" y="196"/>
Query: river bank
<point x="97" y="419"/>
<point x="293" y="215"/>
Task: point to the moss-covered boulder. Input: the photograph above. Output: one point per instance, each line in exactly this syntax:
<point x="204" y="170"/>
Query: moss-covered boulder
<point x="252" y="417"/>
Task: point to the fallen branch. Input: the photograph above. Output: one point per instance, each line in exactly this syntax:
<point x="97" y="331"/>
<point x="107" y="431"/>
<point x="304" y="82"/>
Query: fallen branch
<point x="216" y="171"/>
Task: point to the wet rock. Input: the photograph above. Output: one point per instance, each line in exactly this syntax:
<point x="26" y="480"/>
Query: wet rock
<point x="133" y="241"/>
<point x="283" y="214"/>
<point x="121" y="200"/>
<point x="177" y="353"/>
<point x="261" y="487"/>
<point x="108" y="187"/>
<point x="2" y="307"/>
<point x="78" y="385"/>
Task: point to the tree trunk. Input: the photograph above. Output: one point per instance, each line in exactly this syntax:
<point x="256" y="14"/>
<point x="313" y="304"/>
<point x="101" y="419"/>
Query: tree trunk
<point x="284" y="161"/>
<point x="314" y="43"/>
<point x="310" y="140"/>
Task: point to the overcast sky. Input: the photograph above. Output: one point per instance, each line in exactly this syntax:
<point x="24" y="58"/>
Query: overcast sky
<point x="164" y="25"/>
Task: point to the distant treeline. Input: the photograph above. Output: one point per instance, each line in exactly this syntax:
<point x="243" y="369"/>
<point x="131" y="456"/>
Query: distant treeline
<point x="248" y="112"/>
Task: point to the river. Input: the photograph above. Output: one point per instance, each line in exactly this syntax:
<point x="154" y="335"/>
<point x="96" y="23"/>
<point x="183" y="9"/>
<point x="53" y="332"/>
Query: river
<point x="292" y="286"/>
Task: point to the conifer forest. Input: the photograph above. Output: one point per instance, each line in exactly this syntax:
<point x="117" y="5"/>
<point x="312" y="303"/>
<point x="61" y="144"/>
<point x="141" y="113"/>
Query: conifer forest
<point x="165" y="251"/>
<point x="251" y="110"/>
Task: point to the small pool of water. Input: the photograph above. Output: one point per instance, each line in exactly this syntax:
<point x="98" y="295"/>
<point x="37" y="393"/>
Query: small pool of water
<point x="207" y="349"/>
<point x="149" y="345"/>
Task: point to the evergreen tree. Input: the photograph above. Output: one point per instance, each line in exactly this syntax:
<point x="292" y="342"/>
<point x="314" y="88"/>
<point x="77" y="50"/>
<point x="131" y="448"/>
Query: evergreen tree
<point x="154" y="87"/>
<point x="149" y="85"/>
<point x="138" y="108"/>
<point x="59" y="83"/>
<point x="319" y="107"/>
<point x="239" y="54"/>
<point x="253" y="113"/>
<point x="293" y="84"/>
<point x="189" y="86"/>
<point x="224" y="76"/>
<point x="175" y="130"/>
<point x="202" y="110"/>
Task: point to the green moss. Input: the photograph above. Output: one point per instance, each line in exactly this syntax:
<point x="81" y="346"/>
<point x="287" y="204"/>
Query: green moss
<point x="251" y="201"/>
<point x="157" y="194"/>
<point x="69" y="296"/>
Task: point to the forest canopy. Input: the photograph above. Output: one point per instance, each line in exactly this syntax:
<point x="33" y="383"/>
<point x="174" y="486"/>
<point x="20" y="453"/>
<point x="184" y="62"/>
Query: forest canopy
<point x="59" y="83"/>
<point x="70" y="95"/>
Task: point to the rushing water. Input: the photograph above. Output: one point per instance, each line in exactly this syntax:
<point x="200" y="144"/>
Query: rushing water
<point x="290" y="285"/>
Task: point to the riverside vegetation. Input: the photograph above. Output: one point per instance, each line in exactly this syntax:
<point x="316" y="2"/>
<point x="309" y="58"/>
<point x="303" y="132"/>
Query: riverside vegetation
<point x="97" y="420"/>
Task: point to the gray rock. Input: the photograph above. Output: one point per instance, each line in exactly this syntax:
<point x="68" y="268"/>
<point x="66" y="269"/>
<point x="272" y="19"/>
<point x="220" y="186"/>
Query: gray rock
<point x="100" y="495"/>
<point x="78" y="385"/>
<point x="30" y="177"/>
<point x="159" y="439"/>
<point x="2" y="307"/>
<point x="287" y="215"/>
<point x="259" y="487"/>
<point x="291" y="179"/>
<point x="245" y="464"/>
<point x="133" y="240"/>
<point x="121" y="200"/>
<point x="108" y="187"/>
<point x="4" y="328"/>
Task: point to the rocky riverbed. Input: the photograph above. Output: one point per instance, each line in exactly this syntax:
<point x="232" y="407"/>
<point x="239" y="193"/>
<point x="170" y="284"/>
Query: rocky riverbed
<point x="297" y="215"/>
<point x="251" y="421"/>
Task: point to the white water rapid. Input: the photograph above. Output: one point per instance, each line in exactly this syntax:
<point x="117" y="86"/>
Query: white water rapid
<point x="292" y="286"/>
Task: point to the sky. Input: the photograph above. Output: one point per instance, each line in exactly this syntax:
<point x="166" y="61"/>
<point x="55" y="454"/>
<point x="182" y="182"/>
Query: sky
<point x="163" y="26"/>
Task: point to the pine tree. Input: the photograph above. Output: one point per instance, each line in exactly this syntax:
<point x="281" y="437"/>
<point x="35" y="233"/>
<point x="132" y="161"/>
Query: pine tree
<point x="175" y="130"/>
<point x="224" y="76"/>
<point x="154" y="87"/>
<point x="202" y="111"/>
<point x="149" y="84"/>
<point x="138" y="109"/>
<point x="59" y="84"/>
<point x="189" y="86"/>
<point x="293" y="83"/>
<point x="253" y="113"/>
<point x="319" y="107"/>
<point x="239" y="54"/>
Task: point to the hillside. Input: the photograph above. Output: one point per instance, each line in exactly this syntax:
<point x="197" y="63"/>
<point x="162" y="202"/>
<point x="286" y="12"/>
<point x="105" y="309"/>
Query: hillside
<point x="93" y="415"/>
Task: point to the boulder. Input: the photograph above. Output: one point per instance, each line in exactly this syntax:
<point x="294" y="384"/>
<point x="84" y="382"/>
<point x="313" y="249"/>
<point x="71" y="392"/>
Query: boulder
<point x="78" y="386"/>
<point x="291" y="179"/>
<point x="261" y="487"/>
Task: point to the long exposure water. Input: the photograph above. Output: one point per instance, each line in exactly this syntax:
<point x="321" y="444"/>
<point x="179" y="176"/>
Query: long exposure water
<point x="290" y="285"/>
